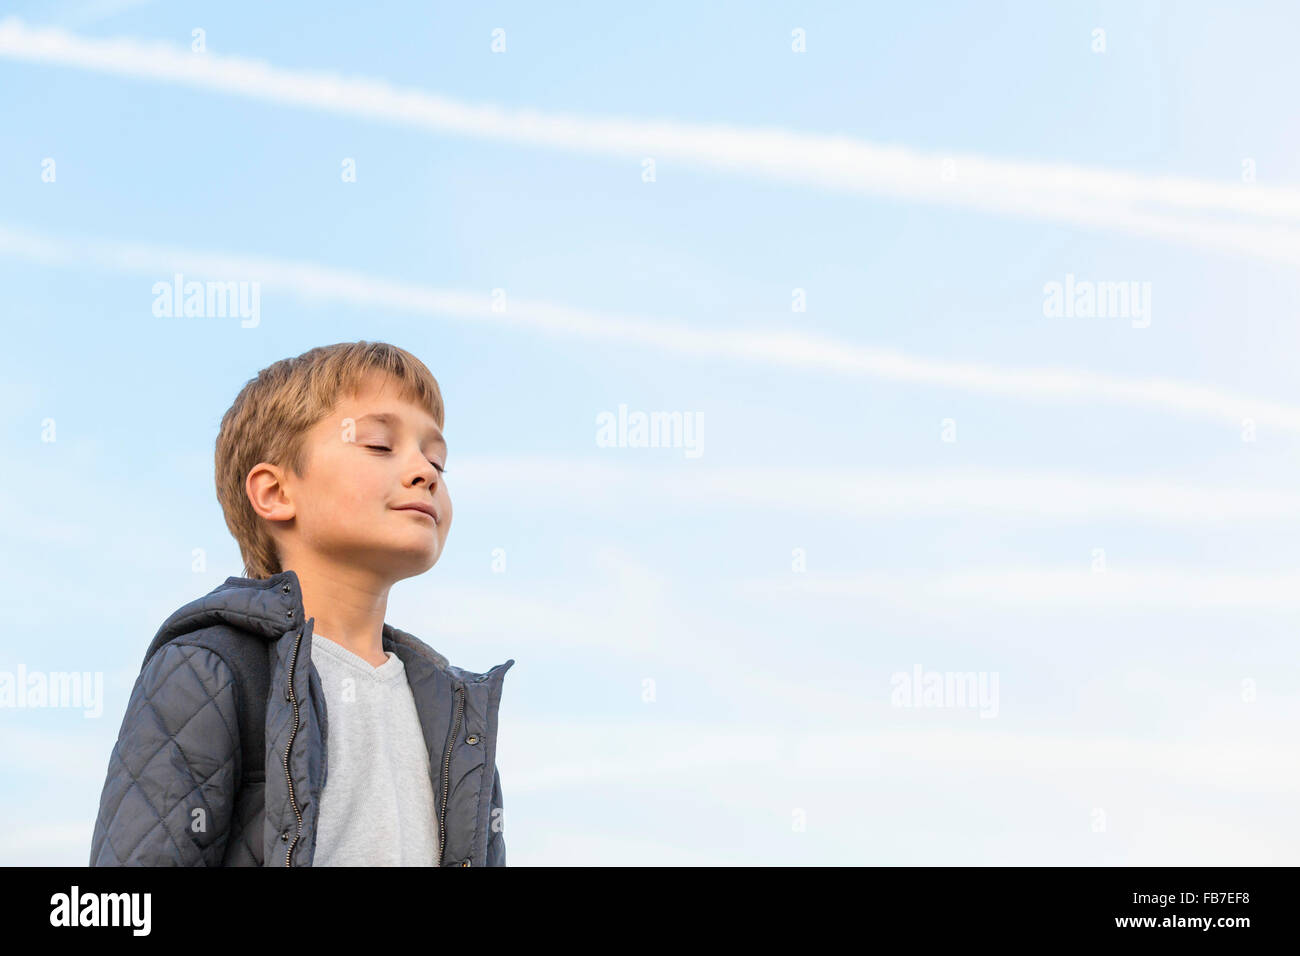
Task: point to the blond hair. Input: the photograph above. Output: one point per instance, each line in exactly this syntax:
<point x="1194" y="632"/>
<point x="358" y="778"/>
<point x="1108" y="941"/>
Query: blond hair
<point x="273" y="412"/>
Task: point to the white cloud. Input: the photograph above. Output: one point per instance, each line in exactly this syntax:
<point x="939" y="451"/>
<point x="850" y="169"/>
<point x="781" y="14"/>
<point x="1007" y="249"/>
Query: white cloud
<point x="654" y="747"/>
<point x="797" y="351"/>
<point x="874" y="493"/>
<point x="1156" y="587"/>
<point x="46" y="844"/>
<point x="1149" y="206"/>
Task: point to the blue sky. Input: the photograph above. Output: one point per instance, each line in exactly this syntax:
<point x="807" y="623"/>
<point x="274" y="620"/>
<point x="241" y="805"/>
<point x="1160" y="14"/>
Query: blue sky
<point x="1145" y="713"/>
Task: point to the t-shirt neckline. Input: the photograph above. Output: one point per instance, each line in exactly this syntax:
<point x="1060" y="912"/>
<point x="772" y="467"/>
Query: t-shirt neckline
<point x="388" y="670"/>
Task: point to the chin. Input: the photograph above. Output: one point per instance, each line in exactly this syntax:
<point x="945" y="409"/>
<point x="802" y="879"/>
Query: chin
<point x="404" y="561"/>
<point x="425" y="559"/>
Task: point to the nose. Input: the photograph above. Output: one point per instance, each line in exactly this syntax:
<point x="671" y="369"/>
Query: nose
<point x="426" y="473"/>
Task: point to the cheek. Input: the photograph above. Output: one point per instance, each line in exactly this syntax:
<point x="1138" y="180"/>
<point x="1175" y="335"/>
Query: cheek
<point x="354" y="493"/>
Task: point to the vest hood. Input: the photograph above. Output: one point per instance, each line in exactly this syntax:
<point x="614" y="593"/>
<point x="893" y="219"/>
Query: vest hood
<point x="269" y="608"/>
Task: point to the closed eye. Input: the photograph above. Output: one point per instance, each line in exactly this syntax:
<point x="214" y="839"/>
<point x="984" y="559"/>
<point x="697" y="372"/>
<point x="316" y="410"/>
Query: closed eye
<point x="441" y="470"/>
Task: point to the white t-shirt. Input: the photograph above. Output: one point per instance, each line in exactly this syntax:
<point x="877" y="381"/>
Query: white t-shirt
<point x="377" y="806"/>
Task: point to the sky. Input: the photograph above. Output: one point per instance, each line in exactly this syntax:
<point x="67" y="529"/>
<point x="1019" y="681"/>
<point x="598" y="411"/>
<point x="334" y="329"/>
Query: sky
<point x="873" y="256"/>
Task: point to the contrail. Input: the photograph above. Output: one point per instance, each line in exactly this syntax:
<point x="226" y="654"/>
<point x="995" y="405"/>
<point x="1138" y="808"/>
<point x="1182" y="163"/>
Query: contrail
<point x="609" y="478"/>
<point x="1153" y="587"/>
<point x="1143" y="205"/>
<point x="312" y="282"/>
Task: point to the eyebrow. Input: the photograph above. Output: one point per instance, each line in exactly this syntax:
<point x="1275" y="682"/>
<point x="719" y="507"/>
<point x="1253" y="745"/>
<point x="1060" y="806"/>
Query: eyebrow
<point x="384" y="418"/>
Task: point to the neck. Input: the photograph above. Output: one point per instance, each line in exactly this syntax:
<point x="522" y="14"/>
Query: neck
<point x="349" y="604"/>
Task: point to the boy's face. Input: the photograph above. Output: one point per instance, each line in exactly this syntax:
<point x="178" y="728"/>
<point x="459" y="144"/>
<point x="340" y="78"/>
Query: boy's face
<point x="349" y="508"/>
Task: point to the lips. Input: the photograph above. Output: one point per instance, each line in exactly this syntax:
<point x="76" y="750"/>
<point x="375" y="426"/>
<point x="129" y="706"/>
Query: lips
<point x="424" y="507"/>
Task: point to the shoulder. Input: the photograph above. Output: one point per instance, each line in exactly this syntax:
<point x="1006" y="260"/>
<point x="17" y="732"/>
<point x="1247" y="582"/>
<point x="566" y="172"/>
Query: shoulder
<point x="212" y="660"/>
<point x="239" y="650"/>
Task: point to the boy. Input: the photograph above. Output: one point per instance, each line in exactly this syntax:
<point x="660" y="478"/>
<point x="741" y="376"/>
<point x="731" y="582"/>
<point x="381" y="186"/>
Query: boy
<point x="257" y="735"/>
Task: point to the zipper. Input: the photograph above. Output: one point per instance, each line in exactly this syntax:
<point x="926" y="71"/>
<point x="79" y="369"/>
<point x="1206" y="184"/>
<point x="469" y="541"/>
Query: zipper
<point x="446" y="772"/>
<point x="293" y="733"/>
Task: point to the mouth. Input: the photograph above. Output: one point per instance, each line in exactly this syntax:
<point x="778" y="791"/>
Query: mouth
<point x="423" y="508"/>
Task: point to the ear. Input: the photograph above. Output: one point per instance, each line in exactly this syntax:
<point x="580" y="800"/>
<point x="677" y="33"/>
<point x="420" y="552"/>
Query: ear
<point x="268" y="493"/>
